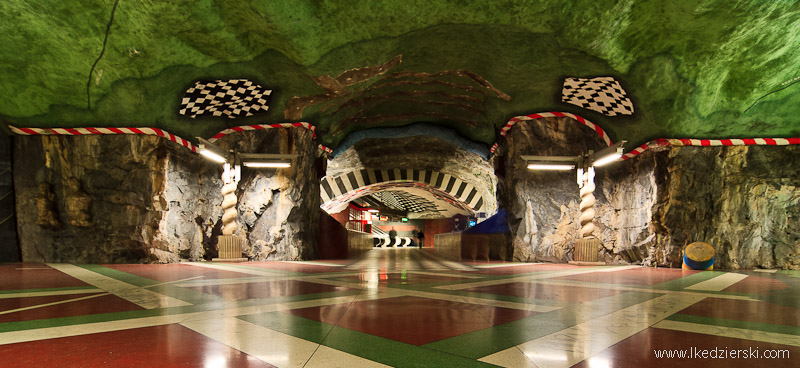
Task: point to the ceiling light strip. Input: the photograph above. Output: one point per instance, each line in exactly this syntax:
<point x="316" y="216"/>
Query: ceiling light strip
<point x="667" y="142"/>
<point x="104" y="131"/>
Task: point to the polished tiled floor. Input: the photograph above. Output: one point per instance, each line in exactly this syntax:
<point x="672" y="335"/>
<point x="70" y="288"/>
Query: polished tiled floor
<point x="395" y="307"/>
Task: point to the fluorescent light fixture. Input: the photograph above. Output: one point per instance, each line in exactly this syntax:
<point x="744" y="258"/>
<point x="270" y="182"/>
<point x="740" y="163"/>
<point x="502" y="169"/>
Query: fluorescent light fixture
<point x="551" y="162"/>
<point x="211" y="151"/>
<point x="257" y="164"/>
<point x="373" y="210"/>
<point x="607" y="155"/>
<point x="211" y="155"/>
<point x="605" y="160"/>
<point x="265" y="160"/>
<point x="549" y="166"/>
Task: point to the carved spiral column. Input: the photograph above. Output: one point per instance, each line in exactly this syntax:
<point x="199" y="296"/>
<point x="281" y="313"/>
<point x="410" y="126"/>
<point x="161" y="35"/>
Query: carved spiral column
<point x="587" y="205"/>
<point x="229" y="208"/>
<point x="230" y="246"/>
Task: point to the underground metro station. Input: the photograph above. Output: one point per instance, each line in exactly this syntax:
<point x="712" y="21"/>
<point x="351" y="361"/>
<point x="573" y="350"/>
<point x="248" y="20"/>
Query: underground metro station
<point x="406" y="184"/>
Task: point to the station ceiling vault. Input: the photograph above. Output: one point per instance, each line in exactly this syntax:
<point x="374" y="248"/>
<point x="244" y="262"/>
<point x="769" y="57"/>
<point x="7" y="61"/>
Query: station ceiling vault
<point x="639" y="69"/>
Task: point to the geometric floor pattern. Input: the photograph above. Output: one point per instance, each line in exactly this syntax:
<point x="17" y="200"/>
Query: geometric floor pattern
<point x="395" y="307"/>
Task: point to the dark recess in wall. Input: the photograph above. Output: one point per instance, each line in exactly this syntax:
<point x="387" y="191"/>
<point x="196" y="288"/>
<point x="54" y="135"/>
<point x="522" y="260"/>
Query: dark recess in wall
<point x="9" y="248"/>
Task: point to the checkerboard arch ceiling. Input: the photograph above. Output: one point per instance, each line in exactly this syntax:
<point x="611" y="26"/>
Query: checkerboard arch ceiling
<point x="336" y="191"/>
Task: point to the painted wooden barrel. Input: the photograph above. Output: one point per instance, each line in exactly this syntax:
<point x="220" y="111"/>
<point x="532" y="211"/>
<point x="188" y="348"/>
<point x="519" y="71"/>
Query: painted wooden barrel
<point x="698" y="256"/>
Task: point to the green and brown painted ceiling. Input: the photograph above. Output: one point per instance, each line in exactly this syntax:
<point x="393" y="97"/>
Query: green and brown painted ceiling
<point x="693" y="69"/>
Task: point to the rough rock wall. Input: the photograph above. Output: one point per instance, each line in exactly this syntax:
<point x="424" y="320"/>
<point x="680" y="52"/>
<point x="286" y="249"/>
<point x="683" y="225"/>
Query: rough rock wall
<point x="122" y="177"/>
<point x="115" y="199"/>
<point x="745" y="201"/>
<point x="421" y="153"/>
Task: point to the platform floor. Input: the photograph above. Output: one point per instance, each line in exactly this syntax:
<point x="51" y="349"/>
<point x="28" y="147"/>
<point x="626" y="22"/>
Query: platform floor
<point x="395" y="307"/>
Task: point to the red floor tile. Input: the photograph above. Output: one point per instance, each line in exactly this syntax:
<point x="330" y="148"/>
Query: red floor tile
<point x="175" y="271"/>
<point x="644" y="276"/>
<point x="267" y="289"/>
<point x="572" y="294"/>
<point x="756" y="285"/>
<point x="97" y="305"/>
<point x="412" y="320"/>
<point x="160" y="346"/>
<point x="745" y="310"/>
<point x="21" y="276"/>
<point x="637" y="351"/>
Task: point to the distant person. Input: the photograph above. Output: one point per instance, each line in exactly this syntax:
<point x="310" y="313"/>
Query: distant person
<point x="414" y="236"/>
<point x="420" y="238"/>
<point x="392" y="235"/>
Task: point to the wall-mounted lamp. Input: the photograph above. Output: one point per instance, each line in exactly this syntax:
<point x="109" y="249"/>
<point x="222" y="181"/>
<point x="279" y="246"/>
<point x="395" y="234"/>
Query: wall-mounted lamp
<point x="265" y="160"/>
<point x="606" y="155"/>
<point x="212" y="151"/>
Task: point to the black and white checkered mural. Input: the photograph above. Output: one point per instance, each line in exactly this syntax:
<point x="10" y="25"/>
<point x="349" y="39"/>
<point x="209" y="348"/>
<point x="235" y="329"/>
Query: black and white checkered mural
<point x="602" y="94"/>
<point x="346" y="187"/>
<point x="404" y="201"/>
<point x="232" y="98"/>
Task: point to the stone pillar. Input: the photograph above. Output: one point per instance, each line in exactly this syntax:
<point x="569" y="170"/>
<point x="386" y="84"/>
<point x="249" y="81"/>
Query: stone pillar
<point x="229" y="245"/>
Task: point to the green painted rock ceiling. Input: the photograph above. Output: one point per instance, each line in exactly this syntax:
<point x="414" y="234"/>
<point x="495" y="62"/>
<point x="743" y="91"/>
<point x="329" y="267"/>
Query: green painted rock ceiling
<point x="693" y="69"/>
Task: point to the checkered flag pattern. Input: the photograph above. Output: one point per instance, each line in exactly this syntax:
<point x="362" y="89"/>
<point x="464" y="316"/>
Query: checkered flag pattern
<point x="603" y="94"/>
<point x="233" y="98"/>
<point x="404" y="201"/>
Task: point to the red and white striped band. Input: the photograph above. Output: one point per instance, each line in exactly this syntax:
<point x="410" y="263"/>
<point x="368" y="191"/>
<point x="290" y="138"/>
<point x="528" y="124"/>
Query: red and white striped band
<point x="243" y="128"/>
<point x="665" y="142"/>
<point x="95" y="131"/>
<point x="161" y="133"/>
<point x="516" y="119"/>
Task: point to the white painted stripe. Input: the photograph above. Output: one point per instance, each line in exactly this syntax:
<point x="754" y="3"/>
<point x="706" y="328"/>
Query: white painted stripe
<point x="445" y="180"/>
<point x="760" y="141"/>
<point x="695" y="142"/>
<point x="410" y="174"/>
<point x="397" y="175"/>
<point x="385" y="175"/>
<point x="142" y="297"/>
<point x="49" y="293"/>
<point x="715" y="142"/>
<point x="737" y="142"/>
<point x="433" y="178"/>
<point x="718" y="283"/>
<point x="737" y="333"/>
<point x="547" y="275"/>
<point x="475" y="200"/>
<point x="267" y="345"/>
<point x="105" y="131"/>
<point x="781" y="141"/>
<point x="335" y="187"/>
<point x="359" y="178"/>
<point x="573" y="345"/>
<point x="371" y="175"/>
<point x="327" y="357"/>
<point x="347" y="184"/>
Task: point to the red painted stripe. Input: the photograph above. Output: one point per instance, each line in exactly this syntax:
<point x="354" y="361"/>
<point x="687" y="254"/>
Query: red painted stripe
<point x="558" y="113"/>
<point x="135" y="130"/>
<point x="52" y="131"/>
<point x="73" y="131"/>
<point x="793" y="140"/>
<point x="29" y="131"/>
<point x="726" y="142"/>
<point x="686" y="142"/>
<point x="116" y="131"/>
<point x="237" y="129"/>
<point x="94" y="131"/>
<point x="749" y="141"/>
<point x="770" y="141"/>
<point x="705" y="142"/>
<point x="580" y="119"/>
<point x="159" y="132"/>
<point x="257" y="126"/>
